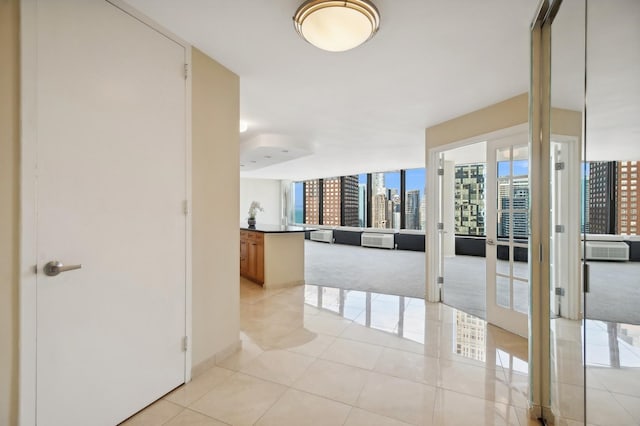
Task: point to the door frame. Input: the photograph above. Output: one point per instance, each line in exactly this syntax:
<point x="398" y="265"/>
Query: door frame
<point x="28" y="203"/>
<point x="432" y="290"/>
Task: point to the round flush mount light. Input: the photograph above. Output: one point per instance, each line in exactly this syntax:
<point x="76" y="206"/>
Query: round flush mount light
<point x="335" y="25"/>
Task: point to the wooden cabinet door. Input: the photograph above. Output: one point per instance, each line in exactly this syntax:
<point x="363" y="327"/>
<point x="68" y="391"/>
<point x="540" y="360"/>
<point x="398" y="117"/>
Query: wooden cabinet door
<point x="244" y="257"/>
<point x="252" y="269"/>
<point x="259" y="263"/>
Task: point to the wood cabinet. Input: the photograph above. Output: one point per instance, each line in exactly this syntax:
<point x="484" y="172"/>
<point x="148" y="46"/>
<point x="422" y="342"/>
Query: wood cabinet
<point x="252" y="256"/>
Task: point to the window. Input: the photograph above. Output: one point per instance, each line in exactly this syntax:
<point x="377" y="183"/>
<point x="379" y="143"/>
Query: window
<point x="385" y="203"/>
<point x="414" y="200"/>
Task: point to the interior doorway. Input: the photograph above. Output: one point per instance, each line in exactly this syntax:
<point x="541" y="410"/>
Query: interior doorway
<point x="482" y="227"/>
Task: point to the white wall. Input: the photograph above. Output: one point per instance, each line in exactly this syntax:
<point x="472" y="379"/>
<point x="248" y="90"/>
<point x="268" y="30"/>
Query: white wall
<point x="267" y="193"/>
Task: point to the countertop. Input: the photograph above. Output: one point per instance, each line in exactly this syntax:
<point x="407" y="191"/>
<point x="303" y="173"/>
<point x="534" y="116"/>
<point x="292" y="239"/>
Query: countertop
<point x="274" y="229"/>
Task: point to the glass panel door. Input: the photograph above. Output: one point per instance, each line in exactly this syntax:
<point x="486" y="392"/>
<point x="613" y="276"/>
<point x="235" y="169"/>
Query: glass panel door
<point x="507" y="225"/>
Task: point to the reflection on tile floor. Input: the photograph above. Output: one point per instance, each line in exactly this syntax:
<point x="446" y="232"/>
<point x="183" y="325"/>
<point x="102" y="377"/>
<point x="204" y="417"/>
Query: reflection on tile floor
<point x="319" y="355"/>
<point x="325" y="356"/>
<point x="612" y="353"/>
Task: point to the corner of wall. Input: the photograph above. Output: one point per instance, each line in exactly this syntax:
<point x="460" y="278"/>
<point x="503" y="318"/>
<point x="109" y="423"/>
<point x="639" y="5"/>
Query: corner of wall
<point x="9" y="208"/>
<point x="215" y="201"/>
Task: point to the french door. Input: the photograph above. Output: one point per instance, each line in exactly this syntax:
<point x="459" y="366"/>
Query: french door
<point x="507" y="231"/>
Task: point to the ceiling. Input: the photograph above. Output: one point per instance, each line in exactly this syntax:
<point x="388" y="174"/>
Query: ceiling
<point x="366" y="109"/>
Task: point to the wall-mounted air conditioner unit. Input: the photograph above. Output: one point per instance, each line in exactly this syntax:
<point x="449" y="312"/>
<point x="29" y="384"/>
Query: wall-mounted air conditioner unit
<point x="370" y="239"/>
<point x="607" y="250"/>
<point x="323" y="235"/>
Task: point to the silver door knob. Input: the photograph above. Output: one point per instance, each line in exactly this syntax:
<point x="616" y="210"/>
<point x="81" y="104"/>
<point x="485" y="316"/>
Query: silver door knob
<point x="490" y="242"/>
<point x="54" y="267"/>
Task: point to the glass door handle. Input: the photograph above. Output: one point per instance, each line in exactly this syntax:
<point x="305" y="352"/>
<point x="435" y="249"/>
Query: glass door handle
<point x="54" y="268"/>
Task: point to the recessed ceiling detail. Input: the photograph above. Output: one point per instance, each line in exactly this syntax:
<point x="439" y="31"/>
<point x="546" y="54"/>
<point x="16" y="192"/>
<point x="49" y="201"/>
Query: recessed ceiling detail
<point x="268" y="149"/>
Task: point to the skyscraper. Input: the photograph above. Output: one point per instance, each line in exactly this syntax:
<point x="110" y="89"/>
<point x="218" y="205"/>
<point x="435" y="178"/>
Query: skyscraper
<point x="514" y="216"/>
<point x="379" y="211"/>
<point x="350" y="199"/>
<point x="377" y="183"/>
<point x="362" y="205"/>
<point x="602" y="197"/>
<point x="332" y="194"/>
<point x="469" y="202"/>
<point x="312" y="201"/>
<point x="628" y="202"/>
<point x="412" y="209"/>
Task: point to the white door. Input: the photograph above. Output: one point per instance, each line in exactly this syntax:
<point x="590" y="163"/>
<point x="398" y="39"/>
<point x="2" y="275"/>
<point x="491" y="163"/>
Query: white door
<point x="111" y="182"/>
<point x="507" y="229"/>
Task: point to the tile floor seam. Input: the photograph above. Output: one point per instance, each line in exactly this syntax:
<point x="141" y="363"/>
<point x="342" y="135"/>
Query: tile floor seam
<point x="624" y="407"/>
<point x="176" y="415"/>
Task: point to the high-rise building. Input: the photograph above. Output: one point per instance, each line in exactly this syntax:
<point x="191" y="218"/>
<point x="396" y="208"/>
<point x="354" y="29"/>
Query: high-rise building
<point x="332" y="194"/>
<point x="469" y="202"/>
<point x="412" y="209"/>
<point x="312" y="201"/>
<point x="377" y="183"/>
<point x="514" y="216"/>
<point x="602" y="197"/>
<point x="350" y="199"/>
<point x="362" y="205"/>
<point x="584" y="201"/>
<point x="379" y="218"/>
<point x="628" y="202"/>
<point x="423" y="213"/>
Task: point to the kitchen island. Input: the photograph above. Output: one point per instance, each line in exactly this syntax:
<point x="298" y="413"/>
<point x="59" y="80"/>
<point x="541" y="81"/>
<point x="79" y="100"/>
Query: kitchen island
<point x="272" y="255"/>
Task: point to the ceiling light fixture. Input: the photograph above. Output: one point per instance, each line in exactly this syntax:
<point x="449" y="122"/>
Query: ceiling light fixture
<point x="335" y="25"/>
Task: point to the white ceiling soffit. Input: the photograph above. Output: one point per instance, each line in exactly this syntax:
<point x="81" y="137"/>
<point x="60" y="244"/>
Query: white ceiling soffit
<point x="266" y="150"/>
<point x="366" y="109"/>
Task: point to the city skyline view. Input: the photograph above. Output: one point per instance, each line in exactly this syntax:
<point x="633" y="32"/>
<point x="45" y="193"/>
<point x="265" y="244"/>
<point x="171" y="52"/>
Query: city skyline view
<point x="601" y="181"/>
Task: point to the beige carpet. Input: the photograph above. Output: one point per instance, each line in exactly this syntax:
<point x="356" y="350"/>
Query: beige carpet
<point x="614" y="296"/>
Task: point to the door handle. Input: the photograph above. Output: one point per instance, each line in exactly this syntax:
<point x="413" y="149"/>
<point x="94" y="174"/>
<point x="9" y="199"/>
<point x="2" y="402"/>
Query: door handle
<point x="54" y="267"/>
<point x="490" y="242"/>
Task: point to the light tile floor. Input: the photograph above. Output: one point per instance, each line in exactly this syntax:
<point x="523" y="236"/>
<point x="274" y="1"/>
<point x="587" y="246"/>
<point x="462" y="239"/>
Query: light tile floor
<point x="323" y="356"/>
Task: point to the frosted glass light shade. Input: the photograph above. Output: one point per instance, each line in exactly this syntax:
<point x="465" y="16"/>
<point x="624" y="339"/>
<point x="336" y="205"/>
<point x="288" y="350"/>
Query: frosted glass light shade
<point x="336" y="26"/>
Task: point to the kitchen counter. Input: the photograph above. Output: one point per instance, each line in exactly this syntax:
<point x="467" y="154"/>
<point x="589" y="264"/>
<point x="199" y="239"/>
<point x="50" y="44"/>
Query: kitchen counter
<point x="275" y="229"/>
<point x="272" y="255"/>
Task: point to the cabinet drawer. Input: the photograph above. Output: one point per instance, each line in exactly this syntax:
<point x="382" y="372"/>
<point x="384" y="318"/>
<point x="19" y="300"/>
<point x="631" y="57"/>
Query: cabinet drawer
<point x="244" y="235"/>
<point x="256" y="236"/>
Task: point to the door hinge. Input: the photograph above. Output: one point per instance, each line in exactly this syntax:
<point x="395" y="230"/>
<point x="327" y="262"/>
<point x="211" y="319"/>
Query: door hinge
<point x="440" y="226"/>
<point x="559" y="229"/>
<point x="440" y="172"/>
<point x="440" y="280"/>
<point x="185" y="343"/>
<point x="185" y="207"/>
<point x="186" y="71"/>
<point x="559" y="291"/>
<point x="560" y="165"/>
